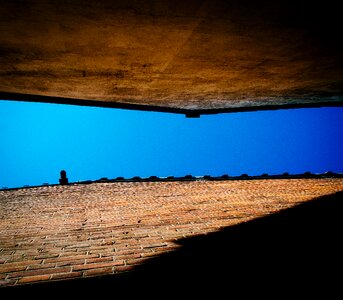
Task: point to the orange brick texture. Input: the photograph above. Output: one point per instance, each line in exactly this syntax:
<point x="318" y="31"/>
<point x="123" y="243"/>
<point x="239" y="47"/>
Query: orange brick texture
<point x="66" y="232"/>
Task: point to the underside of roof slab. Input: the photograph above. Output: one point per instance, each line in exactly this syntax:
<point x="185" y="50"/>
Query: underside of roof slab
<point x="180" y="56"/>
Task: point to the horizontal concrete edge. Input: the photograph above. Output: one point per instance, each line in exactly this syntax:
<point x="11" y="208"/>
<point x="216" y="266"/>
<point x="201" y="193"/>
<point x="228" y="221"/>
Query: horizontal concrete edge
<point x="336" y="101"/>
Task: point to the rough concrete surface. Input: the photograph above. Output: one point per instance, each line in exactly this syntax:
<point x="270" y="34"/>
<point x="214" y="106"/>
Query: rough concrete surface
<point x="193" y="54"/>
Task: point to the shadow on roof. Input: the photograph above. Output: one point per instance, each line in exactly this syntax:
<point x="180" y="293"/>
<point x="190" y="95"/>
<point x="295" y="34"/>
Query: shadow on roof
<point x="297" y="250"/>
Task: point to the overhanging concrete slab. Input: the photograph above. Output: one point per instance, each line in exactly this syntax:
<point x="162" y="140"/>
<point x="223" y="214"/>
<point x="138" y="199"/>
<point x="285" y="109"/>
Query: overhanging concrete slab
<point x="189" y="57"/>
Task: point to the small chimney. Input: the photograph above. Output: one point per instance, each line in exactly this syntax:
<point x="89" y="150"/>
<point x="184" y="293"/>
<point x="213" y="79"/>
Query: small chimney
<point x="63" y="179"/>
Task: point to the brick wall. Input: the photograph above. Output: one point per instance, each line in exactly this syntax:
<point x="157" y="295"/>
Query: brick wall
<point x="65" y="232"/>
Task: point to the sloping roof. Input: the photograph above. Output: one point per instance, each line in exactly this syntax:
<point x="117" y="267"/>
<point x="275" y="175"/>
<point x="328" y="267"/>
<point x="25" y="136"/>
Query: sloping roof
<point x="180" y="56"/>
<point x="54" y="233"/>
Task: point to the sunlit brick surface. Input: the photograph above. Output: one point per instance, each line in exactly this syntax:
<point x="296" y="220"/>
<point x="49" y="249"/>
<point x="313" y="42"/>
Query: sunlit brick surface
<point x="66" y="232"/>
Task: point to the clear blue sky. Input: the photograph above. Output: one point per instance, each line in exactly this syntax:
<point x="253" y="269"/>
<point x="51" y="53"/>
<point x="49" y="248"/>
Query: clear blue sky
<point x="38" y="140"/>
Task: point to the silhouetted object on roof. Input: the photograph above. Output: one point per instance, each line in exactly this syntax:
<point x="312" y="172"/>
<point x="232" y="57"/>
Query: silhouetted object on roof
<point x="329" y="173"/>
<point x="63" y="179"/>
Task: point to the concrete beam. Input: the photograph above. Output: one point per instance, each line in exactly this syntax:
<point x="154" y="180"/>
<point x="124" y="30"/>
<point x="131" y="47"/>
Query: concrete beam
<point x="189" y="57"/>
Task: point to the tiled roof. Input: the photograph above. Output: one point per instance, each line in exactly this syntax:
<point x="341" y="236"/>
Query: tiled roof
<point x="54" y="233"/>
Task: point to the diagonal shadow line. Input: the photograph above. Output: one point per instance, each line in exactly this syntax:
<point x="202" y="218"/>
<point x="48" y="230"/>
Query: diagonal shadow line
<point x="295" y="250"/>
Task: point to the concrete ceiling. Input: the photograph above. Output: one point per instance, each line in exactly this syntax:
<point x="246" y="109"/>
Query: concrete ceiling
<point x="179" y="56"/>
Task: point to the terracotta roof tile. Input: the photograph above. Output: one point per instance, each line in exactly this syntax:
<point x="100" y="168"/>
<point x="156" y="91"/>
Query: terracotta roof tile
<point x="52" y="233"/>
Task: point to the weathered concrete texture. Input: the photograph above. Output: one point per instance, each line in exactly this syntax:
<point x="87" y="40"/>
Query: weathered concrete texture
<point x="67" y="232"/>
<point x="193" y="54"/>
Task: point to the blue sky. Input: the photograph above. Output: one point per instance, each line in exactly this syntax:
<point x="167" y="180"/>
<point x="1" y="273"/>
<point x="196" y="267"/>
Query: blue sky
<point x="38" y="140"/>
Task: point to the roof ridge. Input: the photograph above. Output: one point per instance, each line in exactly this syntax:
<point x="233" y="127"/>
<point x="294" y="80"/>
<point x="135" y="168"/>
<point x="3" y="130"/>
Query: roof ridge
<point x="244" y="176"/>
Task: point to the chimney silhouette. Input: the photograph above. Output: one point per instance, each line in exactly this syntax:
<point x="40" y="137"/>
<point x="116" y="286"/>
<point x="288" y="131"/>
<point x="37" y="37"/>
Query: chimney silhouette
<point x="63" y="179"/>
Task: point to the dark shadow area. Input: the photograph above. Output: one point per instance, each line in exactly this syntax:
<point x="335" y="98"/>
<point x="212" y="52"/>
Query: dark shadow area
<point x="294" y="252"/>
